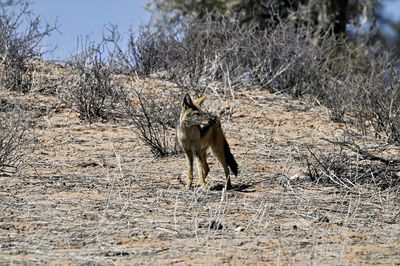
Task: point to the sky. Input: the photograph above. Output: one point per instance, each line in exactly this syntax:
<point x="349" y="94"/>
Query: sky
<point x="392" y="9"/>
<point x="81" y="18"/>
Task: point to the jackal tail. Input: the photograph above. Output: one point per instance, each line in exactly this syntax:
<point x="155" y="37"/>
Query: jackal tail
<point x="230" y="160"/>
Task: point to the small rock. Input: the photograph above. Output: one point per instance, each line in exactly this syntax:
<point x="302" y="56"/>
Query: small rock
<point x="216" y="225"/>
<point x="239" y="229"/>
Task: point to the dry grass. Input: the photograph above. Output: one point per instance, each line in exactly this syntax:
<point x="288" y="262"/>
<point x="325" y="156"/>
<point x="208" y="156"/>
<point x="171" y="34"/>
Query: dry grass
<point x="92" y="193"/>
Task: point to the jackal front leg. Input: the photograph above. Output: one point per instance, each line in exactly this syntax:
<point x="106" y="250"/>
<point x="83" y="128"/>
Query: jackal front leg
<point x="189" y="161"/>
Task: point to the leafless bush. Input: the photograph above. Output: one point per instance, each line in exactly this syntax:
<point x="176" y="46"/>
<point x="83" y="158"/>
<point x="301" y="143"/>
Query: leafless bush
<point x="287" y="57"/>
<point x="13" y="137"/>
<point x="353" y="165"/>
<point x="374" y="98"/>
<point x="93" y="92"/>
<point x="299" y="63"/>
<point x="365" y="85"/>
<point x="200" y="56"/>
<point x="21" y="34"/>
<point x="143" y="54"/>
<point x="190" y="56"/>
<point x="155" y="120"/>
<point x="186" y="60"/>
<point x="294" y="58"/>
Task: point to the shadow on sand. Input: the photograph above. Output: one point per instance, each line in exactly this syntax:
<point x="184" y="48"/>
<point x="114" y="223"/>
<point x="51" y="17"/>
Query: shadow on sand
<point x="238" y="188"/>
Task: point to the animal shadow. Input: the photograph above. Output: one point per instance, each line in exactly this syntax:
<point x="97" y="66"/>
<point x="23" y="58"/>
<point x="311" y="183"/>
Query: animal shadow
<point x="237" y="188"/>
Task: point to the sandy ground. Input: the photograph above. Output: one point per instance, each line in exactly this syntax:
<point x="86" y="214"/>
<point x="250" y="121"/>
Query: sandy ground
<point x="94" y="194"/>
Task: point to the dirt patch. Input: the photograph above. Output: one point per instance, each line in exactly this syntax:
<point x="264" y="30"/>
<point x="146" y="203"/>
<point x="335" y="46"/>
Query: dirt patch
<point x="92" y="193"/>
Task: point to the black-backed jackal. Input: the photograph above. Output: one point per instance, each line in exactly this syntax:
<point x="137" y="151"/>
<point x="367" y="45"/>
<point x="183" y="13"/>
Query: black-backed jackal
<point x="198" y="131"/>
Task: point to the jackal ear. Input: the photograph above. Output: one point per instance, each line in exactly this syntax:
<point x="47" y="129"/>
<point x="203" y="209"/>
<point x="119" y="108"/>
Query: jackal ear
<point x="187" y="101"/>
<point x="199" y="101"/>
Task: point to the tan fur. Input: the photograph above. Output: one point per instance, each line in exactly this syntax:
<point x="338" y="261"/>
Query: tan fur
<point x="198" y="131"/>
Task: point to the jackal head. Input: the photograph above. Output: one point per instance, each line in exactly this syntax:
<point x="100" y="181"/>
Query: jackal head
<point x="194" y="105"/>
<point x="191" y="111"/>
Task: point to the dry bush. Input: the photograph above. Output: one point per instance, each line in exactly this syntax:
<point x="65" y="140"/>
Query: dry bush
<point x="217" y="48"/>
<point x="189" y="56"/>
<point x="292" y="59"/>
<point x="199" y="51"/>
<point x="155" y="121"/>
<point x="374" y="98"/>
<point x="289" y="57"/>
<point x="352" y="166"/>
<point x="21" y="34"/>
<point x="143" y="54"/>
<point x="13" y="137"/>
<point x="93" y="93"/>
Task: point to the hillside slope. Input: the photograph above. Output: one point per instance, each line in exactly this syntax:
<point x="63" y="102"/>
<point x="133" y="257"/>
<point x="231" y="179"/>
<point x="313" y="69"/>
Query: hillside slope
<point x="94" y="193"/>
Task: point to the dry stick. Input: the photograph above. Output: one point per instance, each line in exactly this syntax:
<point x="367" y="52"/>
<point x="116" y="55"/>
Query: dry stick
<point x="118" y="160"/>
<point x="339" y="182"/>
<point x="363" y="152"/>
<point x="175" y="208"/>
<point x="256" y="215"/>
<point x="220" y="212"/>
<point x="121" y="174"/>
<point x="228" y="79"/>
<point x="99" y="228"/>
<point x="283" y="69"/>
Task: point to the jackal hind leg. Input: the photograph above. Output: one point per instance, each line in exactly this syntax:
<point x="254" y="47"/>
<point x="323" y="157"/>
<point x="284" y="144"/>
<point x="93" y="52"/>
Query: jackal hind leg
<point x="219" y="153"/>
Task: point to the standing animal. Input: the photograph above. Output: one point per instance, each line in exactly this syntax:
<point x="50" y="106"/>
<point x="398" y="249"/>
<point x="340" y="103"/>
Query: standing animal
<point x="197" y="131"/>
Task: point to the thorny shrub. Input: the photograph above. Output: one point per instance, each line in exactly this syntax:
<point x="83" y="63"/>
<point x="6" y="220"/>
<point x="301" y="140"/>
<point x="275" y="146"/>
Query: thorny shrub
<point x="352" y="166"/>
<point x="374" y="98"/>
<point x="144" y="50"/>
<point x="93" y="92"/>
<point x="13" y="137"/>
<point x="351" y="79"/>
<point x="155" y="121"/>
<point x="21" y="34"/>
<point x="287" y="57"/>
